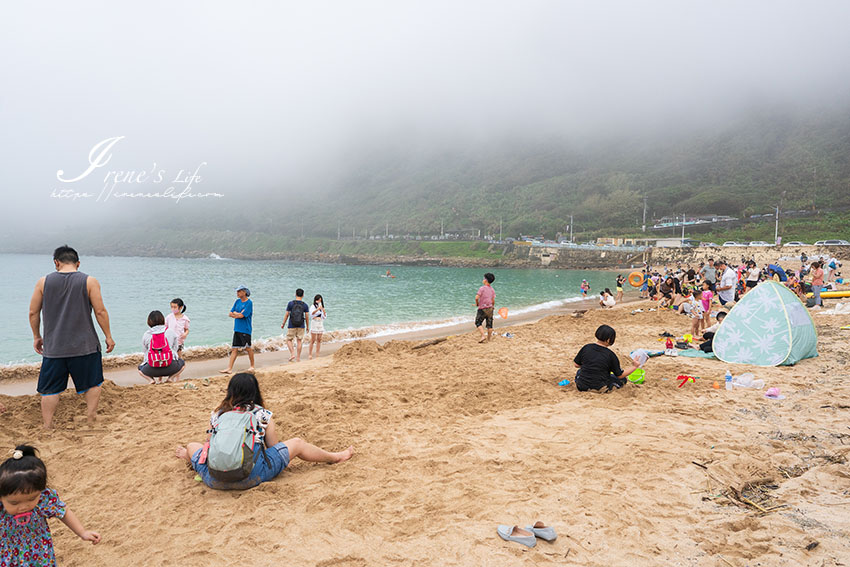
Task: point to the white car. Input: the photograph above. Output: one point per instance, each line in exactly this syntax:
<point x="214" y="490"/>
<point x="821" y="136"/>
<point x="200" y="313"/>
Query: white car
<point x="731" y="243"/>
<point x="832" y="243"/>
<point x="795" y="243"/>
<point x="759" y="243"/>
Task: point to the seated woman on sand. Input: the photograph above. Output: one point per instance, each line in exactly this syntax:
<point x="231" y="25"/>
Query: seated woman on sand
<point x="606" y="299"/>
<point x="598" y="366"/>
<point x="162" y="362"/>
<point x="670" y="290"/>
<point x="226" y="461"/>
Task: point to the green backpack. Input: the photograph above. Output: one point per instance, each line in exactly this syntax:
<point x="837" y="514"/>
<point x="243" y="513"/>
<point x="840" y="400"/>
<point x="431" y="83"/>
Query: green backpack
<point x="231" y="451"/>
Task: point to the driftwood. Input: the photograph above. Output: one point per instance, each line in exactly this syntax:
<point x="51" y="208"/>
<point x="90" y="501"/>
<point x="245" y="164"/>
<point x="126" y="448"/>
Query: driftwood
<point x="429" y="343"/>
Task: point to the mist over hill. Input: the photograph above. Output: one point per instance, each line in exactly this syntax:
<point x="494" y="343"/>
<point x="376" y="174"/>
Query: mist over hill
<point x="797" y="160"/>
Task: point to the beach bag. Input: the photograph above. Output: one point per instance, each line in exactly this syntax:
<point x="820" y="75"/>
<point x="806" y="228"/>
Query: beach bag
<point x="159" y="352"/>
<point x="296" y="315"/>
<point x="231" y="453"/>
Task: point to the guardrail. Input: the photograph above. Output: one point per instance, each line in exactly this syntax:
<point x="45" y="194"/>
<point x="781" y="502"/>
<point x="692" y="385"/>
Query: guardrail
<point x="603" y="247"/>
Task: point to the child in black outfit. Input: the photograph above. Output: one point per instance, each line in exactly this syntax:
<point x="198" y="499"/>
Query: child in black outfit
<point x="597" y="364"/>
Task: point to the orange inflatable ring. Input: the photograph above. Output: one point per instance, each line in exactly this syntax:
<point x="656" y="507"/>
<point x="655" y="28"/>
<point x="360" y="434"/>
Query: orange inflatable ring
<point x="635" y="279"/>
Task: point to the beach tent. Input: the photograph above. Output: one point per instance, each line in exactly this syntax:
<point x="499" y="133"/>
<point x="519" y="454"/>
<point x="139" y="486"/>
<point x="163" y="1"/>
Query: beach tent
<point x="769" y="326"/>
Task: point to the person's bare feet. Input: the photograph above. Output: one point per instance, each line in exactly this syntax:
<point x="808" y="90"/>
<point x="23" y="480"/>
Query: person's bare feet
<point x="226" y="371"/>
<point x="343" y="456"/>
<point x="291" y="358"/>
<point x="182" y="453"/>
<point x="482" y="340"/>
<point x="250" y="369"/>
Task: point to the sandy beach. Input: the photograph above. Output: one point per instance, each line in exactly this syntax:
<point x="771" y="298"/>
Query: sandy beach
<point x="202" y="362"/>
<point x="455" y="438"/>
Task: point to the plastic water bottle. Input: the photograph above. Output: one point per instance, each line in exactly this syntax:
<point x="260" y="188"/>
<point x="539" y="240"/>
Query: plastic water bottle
<point x="728" y="380"/>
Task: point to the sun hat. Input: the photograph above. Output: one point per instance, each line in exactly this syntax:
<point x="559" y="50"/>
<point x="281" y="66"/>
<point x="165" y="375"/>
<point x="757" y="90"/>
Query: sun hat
<point x="247" y="291"/>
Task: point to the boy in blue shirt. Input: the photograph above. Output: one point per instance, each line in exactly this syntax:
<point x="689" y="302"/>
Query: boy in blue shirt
<point x="242" y="311"/>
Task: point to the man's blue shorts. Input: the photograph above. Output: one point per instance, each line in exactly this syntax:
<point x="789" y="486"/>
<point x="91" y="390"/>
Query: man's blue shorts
<point x="86" y="371"/>
<point x="278" y="459"/>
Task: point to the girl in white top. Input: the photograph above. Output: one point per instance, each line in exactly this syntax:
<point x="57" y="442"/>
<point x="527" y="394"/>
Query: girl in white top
<point x="753" y="274"/>
<point x="178" y="322"/>
<point x="606" y="299"/>
<point x="317" y="324"/>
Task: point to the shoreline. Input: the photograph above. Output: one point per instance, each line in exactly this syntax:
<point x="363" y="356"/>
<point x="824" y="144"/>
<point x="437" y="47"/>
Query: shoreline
<point x="125" y="373"/>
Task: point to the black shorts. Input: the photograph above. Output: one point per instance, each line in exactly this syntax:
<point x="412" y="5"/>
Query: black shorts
<point x="609" y="383"/>
<point x="86" y="371"/>
<point x="160" y="371"/>
<point x="751" y="284"/>
<point x="484" y="315"/>
<point x="241" y="340"/>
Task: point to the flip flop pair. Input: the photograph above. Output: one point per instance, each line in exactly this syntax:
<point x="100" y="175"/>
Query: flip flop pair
<point x="527" y="536"/>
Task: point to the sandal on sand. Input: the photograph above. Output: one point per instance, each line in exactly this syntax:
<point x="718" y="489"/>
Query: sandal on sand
<point x="542" y="531"/>
<point x="514" y="533"/>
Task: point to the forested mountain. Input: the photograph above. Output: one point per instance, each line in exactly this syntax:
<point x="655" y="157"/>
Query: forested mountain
<point x="799" y="162"/>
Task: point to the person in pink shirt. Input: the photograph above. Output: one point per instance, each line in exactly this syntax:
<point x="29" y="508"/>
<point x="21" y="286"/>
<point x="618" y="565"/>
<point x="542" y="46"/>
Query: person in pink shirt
<point x="485" y="300"/>
<point x="706" y="297"/>
<point x="178" y="322"/>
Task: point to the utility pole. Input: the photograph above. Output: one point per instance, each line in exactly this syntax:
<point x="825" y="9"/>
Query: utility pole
<point x="387" y="233"/>
<point x="815" y="190"/>
<point x="683" y="230"/>
<point x="644" y="214"/>
<point x="776" y="229"/>
<point x="500" y="229"/>
<point x="441" y="229"/>
<point x="571" y="229"/>
<point x="338" y="228"/>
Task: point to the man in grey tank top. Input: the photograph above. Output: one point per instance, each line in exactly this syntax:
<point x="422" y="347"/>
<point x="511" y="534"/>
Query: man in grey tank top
<point x="65" y="299"/>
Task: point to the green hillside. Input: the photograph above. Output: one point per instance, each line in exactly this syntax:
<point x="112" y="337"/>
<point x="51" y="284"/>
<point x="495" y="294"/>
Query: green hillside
<point x="799" y="162"/>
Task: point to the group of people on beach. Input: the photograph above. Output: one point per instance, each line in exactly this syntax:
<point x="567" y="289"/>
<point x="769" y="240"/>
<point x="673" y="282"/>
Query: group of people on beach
<point x="299" y="320"/>
<point x="242" y="450"/>
<point x="166" y="364"/>
<point x="730" y="282"/>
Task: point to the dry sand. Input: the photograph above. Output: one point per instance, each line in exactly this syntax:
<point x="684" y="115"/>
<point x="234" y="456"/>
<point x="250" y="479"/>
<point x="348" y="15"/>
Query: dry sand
<point x="458" y="437"/>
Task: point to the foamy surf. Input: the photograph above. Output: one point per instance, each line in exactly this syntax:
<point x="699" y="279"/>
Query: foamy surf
<point x="278" y="342"/>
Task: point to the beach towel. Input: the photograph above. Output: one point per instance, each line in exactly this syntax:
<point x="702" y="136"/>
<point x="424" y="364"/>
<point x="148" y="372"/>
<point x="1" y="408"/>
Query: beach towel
<point x="696" y="353"/>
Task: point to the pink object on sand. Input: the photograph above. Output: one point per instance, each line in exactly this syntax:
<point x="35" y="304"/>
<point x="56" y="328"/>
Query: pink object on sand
<point x="774" y="394"/>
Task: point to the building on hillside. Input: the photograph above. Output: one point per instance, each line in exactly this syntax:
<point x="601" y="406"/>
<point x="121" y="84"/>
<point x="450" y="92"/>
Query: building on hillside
<point x="675" y="243"/>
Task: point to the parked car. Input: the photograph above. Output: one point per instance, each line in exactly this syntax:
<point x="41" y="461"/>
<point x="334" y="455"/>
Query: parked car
<point x="832" y="243"/>
<point x="731" y="243"/>
<point x="759" y="243"/>
<point x="707" y="244"/>
<point x="795" y="243"/>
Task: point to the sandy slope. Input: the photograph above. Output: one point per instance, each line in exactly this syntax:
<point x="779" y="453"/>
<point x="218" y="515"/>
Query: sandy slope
<point x="455" y="438"/>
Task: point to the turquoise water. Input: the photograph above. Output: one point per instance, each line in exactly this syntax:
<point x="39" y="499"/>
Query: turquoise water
<point x="356" y="297"/>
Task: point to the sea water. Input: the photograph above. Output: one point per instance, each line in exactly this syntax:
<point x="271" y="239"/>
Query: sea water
<point x="356" y="297"/>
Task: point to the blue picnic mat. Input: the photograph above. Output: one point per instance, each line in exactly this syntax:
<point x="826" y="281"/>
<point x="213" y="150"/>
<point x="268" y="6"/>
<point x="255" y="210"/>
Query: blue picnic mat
<point x="696" y="353"/>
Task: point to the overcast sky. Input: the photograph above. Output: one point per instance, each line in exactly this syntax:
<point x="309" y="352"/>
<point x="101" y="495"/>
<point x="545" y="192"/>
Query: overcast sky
<point x="273" y="95"/>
